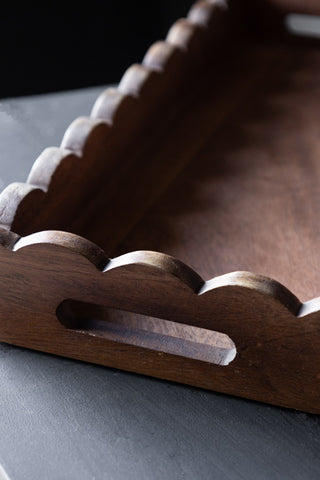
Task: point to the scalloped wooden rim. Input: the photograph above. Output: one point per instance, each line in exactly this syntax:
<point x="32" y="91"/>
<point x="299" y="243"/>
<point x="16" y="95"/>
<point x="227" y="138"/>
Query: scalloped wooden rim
<point x="106" y="111"/>
<point x="167" y="264"/>
<point x="108" y="106"/>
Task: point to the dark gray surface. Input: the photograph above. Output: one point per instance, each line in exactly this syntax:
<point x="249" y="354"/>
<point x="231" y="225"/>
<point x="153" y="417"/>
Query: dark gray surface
<point x="66" y="420"/>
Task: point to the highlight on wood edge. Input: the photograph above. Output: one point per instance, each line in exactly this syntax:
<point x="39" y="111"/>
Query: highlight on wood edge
<point x="107" y="108"/>
<point x="167" y="264"/>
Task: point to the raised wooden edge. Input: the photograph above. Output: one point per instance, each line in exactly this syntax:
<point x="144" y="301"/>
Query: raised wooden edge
<point x="239" y="333"/>
<point x="109" y="110"/>
<point x="170" y="265"/>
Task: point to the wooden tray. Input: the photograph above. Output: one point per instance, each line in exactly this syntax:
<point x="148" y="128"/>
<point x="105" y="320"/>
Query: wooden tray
<point x="208" y="152"/>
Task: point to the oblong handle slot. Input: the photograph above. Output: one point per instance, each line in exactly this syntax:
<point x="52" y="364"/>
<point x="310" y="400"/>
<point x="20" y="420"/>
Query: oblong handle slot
<point x="148" y="332"/>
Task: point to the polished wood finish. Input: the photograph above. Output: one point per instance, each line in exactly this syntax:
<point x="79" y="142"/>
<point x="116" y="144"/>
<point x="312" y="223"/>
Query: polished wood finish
<point x="268" y="350"/>
<point x="207" y="152"/>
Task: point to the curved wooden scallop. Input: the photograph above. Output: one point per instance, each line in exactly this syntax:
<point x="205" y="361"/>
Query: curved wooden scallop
<point x="162" y="56"/>
<point x="112" y="106"/>
<point x="183" y="34"/>
<point x="247" y="334"/>
<point x="90" y="148"/>
<point x="204" y="13"/>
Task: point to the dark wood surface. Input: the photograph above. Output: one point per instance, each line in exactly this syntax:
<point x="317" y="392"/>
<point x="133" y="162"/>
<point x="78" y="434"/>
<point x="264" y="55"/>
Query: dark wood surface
<point x="223" y="176"/>
<point x="66" y="419"/>
<point x="247" y="198"/>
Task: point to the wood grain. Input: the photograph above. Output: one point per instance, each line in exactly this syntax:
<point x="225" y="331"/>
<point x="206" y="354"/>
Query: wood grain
<point x="118" y="131"/>
<point x="268" y="352"/>
<point x="207" y="151"/>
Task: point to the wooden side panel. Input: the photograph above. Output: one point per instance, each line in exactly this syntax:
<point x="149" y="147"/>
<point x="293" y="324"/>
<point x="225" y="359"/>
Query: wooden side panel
<point x="95" y="151"/>
<point x="272" y="347"/>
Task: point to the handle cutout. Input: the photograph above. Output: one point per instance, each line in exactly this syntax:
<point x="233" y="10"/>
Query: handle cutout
<point x="148" y="332"/>
<point x="303" y="25"/>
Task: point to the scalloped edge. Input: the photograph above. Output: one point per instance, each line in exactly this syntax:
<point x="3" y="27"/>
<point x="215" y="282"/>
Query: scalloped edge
<point x="107" y="112"/>
<point x="52" y="279"/>
<point x="108" y="108"/>
<point x="167" y="264"/>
